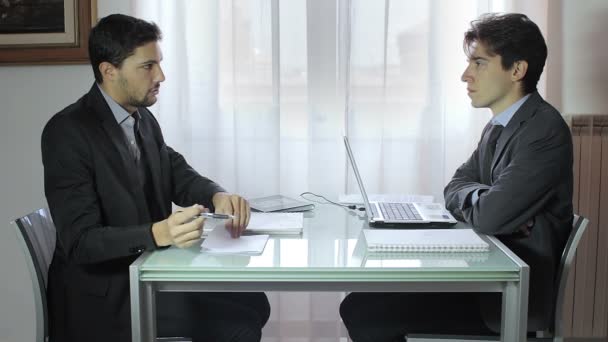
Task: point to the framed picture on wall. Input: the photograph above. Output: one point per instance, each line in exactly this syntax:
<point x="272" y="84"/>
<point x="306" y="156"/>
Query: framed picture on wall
<point x="45" y="31"/>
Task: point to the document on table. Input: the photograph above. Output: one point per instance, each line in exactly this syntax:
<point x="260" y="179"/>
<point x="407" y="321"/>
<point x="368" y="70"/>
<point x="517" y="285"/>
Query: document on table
<point x="266" y="223"/>
<point x="276" y="223"/>
<point x="219" y="241"/>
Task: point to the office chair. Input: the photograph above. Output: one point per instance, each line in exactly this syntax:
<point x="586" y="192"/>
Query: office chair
<point x="36" y="235"/>
<point x="554" y="332"/>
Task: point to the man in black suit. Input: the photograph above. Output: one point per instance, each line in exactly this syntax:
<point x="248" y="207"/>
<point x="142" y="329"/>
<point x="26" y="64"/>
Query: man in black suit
<point x="110" y="181"/>
<point x="516" y="185"/>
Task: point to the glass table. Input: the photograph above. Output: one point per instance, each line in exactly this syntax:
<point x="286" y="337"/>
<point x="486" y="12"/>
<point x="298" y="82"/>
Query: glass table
<point x="330" y="255"/>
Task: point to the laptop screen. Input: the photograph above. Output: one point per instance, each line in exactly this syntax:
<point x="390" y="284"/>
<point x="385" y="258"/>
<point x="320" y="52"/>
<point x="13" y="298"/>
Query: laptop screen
<point x="353" y="164"/>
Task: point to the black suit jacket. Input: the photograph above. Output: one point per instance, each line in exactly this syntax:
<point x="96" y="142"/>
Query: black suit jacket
<point x="530" y="179"/>
<point x="102" y="218"/>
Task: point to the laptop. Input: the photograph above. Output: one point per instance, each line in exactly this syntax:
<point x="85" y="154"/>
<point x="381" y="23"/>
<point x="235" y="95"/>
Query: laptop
<point x="412" y="214"/>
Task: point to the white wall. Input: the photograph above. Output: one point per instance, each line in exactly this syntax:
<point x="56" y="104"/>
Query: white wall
<point x="30" y="95"/>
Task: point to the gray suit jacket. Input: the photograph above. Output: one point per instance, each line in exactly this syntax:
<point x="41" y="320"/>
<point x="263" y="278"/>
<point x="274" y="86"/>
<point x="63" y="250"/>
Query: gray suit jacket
<point x="530" y="179"/>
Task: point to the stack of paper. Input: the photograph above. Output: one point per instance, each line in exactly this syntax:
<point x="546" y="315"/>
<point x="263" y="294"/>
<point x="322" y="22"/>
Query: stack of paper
<point x="219" y="241"/>
<point x="276" y="223"/>
<point x="266" y="223"/>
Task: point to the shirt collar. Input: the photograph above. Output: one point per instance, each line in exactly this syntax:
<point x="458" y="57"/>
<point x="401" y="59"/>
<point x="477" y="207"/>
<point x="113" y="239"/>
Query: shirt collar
<point x="120" y="114"/>
<point x="505" y="116"/>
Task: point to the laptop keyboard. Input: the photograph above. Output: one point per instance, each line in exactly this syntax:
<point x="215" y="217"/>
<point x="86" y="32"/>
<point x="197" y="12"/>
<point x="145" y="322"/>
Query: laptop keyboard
<point x="399" y="211"/>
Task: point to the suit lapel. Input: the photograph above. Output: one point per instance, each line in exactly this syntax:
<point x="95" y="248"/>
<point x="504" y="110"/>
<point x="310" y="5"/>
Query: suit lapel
<point x="523" y="113"/>
<point x="116" y="137"/>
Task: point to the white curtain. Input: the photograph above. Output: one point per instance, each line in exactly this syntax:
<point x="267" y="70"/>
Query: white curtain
<point x="260" y="92"/>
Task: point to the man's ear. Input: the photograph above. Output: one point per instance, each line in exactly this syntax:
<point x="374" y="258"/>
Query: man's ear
<point x="108" y="71"/>
<point x="520" y="68"/>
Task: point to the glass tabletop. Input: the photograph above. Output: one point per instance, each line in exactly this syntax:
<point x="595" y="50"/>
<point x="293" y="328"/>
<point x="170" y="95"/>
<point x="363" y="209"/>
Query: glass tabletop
<point x="330" y="247"/>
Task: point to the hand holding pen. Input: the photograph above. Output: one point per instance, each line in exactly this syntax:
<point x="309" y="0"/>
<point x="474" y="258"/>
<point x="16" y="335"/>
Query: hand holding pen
<point x="180" y="229"/>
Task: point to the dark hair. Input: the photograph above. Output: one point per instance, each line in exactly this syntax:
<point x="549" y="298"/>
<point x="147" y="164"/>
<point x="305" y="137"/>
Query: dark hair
<point x="116" y="37"/>
<point x="514" y="37"/>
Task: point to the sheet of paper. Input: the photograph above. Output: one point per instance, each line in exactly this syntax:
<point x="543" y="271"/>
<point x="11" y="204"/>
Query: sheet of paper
<point x="219" y="241"/>
<point x="266" y="223"/>
<point x="276" y="222"/>
<point x="392" y="198"/>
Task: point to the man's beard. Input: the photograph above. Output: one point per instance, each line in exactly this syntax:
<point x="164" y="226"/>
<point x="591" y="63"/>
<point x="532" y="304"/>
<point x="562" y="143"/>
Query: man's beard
<point x="131" y="99"/>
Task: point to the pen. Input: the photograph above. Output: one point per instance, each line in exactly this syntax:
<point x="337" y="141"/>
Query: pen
<point x="216" y="216"/>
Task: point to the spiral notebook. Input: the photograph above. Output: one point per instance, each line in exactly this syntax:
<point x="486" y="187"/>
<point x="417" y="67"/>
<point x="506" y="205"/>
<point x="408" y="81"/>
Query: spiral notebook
<point x="424" y="240"/>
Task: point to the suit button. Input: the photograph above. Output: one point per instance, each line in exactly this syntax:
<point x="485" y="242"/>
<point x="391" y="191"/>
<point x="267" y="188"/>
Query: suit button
<point x="137" y="249"/>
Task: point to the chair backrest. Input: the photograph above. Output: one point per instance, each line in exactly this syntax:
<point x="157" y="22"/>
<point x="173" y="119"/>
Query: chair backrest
<point x="36" y="234"/>
<point x="579" y="224"/>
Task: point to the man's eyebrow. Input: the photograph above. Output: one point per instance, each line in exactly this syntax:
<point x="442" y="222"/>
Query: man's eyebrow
<point x="475" y="57"/>
<point x="149" y="61"/>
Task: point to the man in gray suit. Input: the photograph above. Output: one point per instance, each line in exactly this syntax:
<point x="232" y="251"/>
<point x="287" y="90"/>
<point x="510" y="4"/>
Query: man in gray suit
<point x="517" y="185"/>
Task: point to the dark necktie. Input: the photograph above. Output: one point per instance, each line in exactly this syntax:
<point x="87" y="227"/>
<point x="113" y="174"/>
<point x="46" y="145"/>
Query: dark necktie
<point x="493" y="135"/>
<point x="490" y="142"/>
<point x="135" y="151"/>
